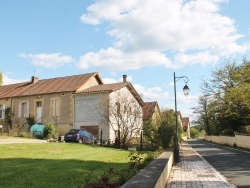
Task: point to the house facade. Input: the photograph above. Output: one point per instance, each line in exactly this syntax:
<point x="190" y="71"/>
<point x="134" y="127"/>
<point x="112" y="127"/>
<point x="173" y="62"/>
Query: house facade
<point x="106" y="109"/>
<point x="80" y="101"/>
<point x="48" y="100"/>
<point x="186" y="126"/>
<point x="151" y="111"/>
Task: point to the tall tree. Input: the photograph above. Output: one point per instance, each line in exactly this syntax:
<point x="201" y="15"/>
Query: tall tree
<point x="124" y="114"/>
<point x="1" y="78"/>
<point x="228" y="96"/>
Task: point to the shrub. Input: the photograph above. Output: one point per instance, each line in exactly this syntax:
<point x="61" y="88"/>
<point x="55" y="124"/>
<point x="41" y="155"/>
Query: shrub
<point x="242" y="129"/>
<point x="49" y="129"/>
<point x="227" y="132"/>
<point x="31" y="121"/>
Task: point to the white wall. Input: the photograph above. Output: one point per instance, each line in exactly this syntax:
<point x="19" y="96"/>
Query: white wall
<point x="87" y="109"/>
<point x="126" y="100"/>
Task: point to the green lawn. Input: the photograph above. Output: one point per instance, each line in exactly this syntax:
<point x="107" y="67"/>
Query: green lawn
<point x="56" y="165"/>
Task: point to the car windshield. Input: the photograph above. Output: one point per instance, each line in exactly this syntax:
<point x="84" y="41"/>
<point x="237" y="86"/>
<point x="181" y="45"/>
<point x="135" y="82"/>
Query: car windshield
<point x="73" y="131"/>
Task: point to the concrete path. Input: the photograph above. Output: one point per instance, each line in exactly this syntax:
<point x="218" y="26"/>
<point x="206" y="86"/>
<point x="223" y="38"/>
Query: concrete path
<point x="194" y="172"/>
<point x="12" y="140"/>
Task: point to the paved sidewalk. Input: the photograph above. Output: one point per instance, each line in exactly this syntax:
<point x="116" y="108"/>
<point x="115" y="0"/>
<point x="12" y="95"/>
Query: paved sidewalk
<point x="194" y="172"/>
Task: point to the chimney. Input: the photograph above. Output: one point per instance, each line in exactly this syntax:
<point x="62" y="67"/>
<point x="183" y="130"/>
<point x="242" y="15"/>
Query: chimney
<point x="34" y="79"/>
<point x="124" y="78"/>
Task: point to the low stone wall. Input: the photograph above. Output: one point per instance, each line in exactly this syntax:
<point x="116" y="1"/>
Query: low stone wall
<point x="154" y="174"/>
<point x="240" y="140"/>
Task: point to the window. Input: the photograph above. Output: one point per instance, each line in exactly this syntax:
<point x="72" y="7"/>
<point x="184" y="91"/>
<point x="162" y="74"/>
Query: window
<point x="38" y="104"/>
<point x="23" y="110"/>
<point x="2" y="108"/>
<point x="118" y="105"/>
<point x="55" y="107"/>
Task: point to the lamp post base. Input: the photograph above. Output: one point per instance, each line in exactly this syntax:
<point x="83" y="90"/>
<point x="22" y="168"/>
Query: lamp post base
<point x="176" y="155"/>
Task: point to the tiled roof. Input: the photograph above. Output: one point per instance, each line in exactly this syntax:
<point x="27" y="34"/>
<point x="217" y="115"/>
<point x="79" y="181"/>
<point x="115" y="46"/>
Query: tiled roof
<point x="105" y="87"/>
<point x="113" y="87"/>
<point x="53" y="85"/>
<point x="148" y="110"/>
<point x="185" y="121"/>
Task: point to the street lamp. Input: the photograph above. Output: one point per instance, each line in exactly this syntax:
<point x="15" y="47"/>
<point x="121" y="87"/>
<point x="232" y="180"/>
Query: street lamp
<point x="185" y="91"/>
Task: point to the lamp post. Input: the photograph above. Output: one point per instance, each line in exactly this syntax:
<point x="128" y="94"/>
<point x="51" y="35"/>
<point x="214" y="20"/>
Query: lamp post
<point x="186" y="91"/>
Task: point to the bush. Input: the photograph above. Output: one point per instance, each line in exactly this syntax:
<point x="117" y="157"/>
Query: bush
<point x="227" y="132"/>
<point x="194" y="133"/>
<point x="49" y="129"/>
<point x="31" y="121"/>
<point x="242" y="129"/>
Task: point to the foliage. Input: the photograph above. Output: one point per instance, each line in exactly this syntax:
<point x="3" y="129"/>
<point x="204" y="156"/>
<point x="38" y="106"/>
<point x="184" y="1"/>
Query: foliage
<point x="114" y="178"/>
<point x="1" y="78"/>
<point x="49" y="129"/>
<point x="150" y="131"/>
<point x="225" y="104"/>
<point x="194" y="133"/>
<point x="31" y="121"/>
<point x="7" y="116"/>
<point x="123" y="113"/>
<point x="166" y="132"/>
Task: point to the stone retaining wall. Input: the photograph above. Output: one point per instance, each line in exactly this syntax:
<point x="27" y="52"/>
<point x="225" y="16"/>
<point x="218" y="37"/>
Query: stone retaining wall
<point x="154" y="174"/>
<point x="240" y="140"/>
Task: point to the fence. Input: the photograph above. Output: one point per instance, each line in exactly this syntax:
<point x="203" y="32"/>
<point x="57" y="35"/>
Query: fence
<point x="239" y="140"/>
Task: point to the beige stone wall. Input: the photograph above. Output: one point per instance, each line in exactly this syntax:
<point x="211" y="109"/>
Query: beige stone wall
<point x="63" y="122"/>
<point x="239" y="140"/>
<point x="6" y="103"/>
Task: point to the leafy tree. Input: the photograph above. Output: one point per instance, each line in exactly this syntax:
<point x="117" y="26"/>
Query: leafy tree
<point x="123" y="113"/>
<point x="225" y="104"/>
<point x="1" y="78"/>
<point x="194" y="133"/>
<point x="166" y="132"/>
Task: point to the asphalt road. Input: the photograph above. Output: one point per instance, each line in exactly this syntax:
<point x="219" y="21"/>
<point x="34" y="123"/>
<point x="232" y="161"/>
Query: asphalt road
<point x="233" y="164"/>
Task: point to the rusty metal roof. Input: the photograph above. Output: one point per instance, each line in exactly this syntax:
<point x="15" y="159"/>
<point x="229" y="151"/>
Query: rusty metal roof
<point x="53" y="85"/>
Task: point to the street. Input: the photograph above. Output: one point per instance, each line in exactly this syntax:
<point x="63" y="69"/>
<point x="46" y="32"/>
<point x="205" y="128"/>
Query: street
<point x="231" y="163"/>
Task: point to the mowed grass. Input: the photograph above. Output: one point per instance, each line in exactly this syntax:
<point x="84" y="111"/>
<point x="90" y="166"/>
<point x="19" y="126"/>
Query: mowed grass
<point x="54" y="165"/>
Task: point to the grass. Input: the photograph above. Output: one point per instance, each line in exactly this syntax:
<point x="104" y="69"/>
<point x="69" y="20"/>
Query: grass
<point x="56" y="164"/>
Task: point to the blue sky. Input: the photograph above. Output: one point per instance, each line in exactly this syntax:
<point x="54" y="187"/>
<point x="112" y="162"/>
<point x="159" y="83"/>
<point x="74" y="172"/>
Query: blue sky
<point x="144" y="39"/>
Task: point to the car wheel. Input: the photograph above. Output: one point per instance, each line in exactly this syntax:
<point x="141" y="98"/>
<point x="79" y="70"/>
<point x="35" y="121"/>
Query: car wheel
<point x="80" y="140"/>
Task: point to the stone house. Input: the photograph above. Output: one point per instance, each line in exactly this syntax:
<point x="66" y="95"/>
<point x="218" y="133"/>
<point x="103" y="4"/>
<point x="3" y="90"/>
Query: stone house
<point x="186" y="126"/>
<point x="151" y="111"/>
<point x="101" y="109"/>
<point x="48" y="100"/>
<point x="79" y="101"/>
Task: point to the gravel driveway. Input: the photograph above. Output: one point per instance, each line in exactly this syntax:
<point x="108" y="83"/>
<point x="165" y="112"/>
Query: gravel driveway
<point x="20" y="140"/>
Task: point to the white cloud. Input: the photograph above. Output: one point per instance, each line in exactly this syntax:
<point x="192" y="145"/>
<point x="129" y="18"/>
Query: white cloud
<point x="150" y="94"/>
<point x="48" y="60"/>
<point x="116" y="59"/>
<point x="112" y="80"/>
<point x="170" y="33"/>
<point x="7" y="80"/>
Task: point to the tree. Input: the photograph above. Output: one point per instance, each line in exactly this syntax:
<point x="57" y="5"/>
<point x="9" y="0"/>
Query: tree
<point x="1" y="78"/>
<point x="166" y="132"/>
<point x="124" y="114"/>
<point x="225" y="104"/>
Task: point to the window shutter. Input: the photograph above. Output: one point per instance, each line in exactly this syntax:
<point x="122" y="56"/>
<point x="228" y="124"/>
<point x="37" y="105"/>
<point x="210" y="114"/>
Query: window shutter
<point x="3" y="111"/>
<point x="28" y="110"/>
<point x="19" y="110"/>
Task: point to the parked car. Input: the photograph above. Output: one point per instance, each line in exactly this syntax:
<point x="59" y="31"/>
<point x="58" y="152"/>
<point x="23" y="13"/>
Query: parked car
<point x="78" y="135"/>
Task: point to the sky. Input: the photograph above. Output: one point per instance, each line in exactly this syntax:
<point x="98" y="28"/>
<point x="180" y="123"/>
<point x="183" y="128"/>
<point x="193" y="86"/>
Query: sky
<point x="146" y="40"/>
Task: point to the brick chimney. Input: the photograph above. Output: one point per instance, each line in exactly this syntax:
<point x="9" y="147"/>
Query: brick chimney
<point x="124" y="78"/>
<point x="34" y="79"/>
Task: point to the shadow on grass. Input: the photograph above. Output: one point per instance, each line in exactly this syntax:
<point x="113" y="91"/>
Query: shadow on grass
<point x="40" y="173"/>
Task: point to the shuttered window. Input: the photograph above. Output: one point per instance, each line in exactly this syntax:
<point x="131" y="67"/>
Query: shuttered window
<point x="23" y="111"/>
<point x="2" y="108"/>
<point x="55" y="107"/>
